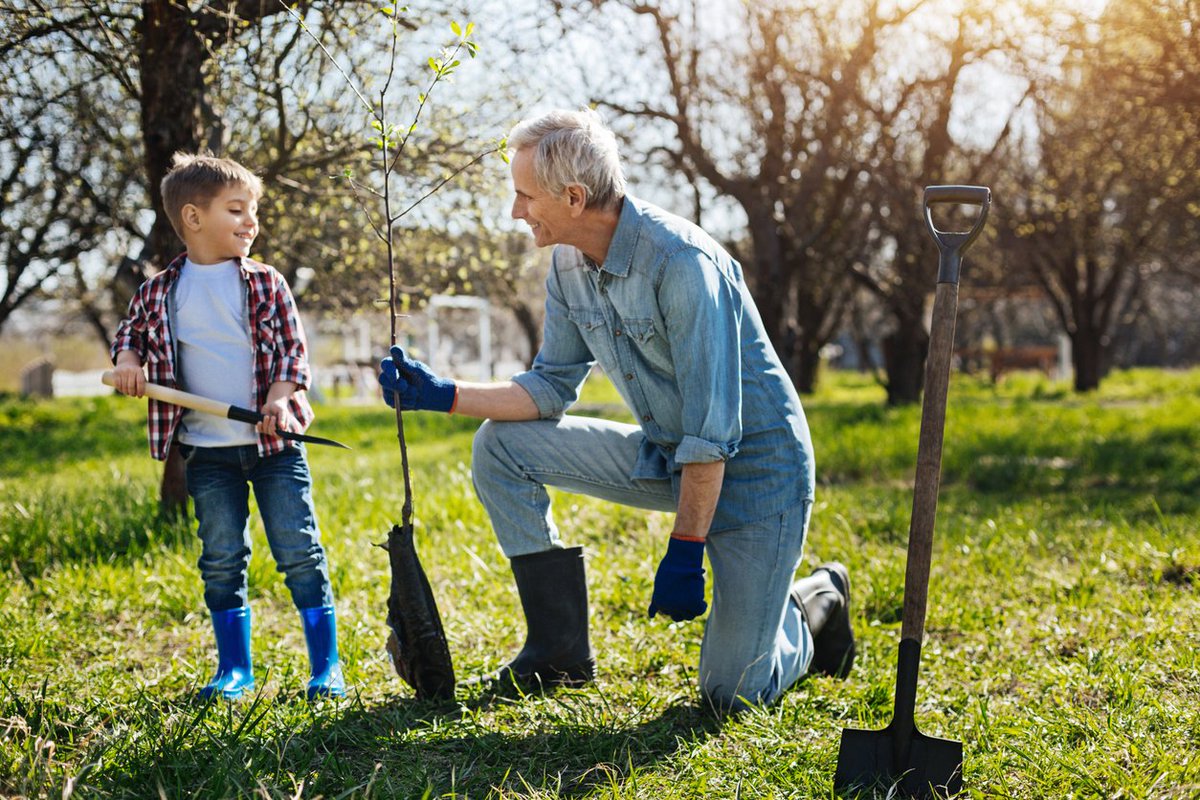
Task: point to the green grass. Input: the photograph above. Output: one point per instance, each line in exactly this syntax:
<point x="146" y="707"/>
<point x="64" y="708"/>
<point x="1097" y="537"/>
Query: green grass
<point x="1062" y="644"/>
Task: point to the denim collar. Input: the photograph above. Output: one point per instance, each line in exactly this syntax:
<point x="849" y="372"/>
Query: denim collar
<point x="619" y="259"/>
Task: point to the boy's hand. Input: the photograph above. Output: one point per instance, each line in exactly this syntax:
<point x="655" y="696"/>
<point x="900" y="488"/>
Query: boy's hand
<point x="276" y="414"/>
<point x="128" y="377"/>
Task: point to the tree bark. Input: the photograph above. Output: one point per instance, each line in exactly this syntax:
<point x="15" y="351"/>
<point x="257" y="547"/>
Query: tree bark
<point x="904" y="360"/>
<point x="1088" y="357"/>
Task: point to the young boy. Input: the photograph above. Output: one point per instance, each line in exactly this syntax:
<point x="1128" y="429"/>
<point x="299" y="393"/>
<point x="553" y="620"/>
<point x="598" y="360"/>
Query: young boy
<point x="219" y="324"/>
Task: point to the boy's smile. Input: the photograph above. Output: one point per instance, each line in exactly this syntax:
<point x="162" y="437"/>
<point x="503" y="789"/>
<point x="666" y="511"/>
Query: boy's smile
<point x="225" y="228"/>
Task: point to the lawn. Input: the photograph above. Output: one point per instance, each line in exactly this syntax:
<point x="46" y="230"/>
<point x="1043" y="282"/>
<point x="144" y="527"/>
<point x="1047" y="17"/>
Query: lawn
<point x="1062" y="640"/>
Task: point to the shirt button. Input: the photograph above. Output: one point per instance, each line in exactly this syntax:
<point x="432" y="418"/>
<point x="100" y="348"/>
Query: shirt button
<point x="628" y="376"/>
<point x="617" y="332"/>
<point x="645" y="418"/>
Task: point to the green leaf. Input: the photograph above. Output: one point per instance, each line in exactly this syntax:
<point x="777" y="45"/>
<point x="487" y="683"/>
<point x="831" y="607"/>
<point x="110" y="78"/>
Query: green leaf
<point x="454" y="26"/>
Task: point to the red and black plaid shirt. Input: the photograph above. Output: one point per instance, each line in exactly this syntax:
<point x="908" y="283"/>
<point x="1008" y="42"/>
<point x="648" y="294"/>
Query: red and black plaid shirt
<point x="280" y="350"/>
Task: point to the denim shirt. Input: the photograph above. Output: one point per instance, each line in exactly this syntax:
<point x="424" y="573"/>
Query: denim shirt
<point x="669" y="319"/>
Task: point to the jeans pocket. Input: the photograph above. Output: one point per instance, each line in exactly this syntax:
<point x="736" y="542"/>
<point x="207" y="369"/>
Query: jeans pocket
<point x="186" y="451"/>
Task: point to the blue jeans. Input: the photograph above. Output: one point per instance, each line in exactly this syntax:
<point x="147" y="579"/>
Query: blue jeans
<point x="756" y="643"/>
<point x="219" y="481"/>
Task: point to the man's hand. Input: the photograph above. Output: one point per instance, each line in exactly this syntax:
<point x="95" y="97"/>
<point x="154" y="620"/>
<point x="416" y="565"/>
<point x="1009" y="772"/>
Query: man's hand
<point x="679" y="582"/>
<point x="128" y="377"/>
<point x="415" y="384"/>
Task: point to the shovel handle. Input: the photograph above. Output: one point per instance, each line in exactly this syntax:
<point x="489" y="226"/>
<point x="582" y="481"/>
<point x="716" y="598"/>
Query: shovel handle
<point x="205" y="405"/>
<point x="933" y="408"/>
<point x="952" y="245"/>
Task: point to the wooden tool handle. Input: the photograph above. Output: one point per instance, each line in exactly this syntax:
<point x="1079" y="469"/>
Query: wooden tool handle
<point x="176" y="397"/>
<point x="951" y="247"/>
<point x="929" y="462"/>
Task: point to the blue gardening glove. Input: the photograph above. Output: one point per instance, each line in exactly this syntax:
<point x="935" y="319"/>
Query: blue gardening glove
<point x="419" y="389"/>
<point x="679" y="582"/>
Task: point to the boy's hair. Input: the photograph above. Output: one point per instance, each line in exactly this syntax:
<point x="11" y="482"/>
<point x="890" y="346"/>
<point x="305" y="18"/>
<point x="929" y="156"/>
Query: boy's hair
<point x="197" y="179"/>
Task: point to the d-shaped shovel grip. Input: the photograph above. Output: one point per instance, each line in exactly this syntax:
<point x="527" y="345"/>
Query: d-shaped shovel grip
<point x="953" y="245"/>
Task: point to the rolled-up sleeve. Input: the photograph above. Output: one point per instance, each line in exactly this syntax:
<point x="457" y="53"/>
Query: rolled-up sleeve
<point x="291" y="362"/>
<point x="131" y="331"/>
<point x="562" y="363"/>
<point x="702" y="311"/>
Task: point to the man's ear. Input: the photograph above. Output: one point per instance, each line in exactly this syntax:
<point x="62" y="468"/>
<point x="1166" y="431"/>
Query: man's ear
<point x="190" y="215"/>
<point x="576" y="198"/>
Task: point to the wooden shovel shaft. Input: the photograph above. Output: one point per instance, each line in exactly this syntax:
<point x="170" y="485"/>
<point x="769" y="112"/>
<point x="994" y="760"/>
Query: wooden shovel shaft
<point x="929" y="462"/>
<point x="951" y="247"/>
<point x="195" y="402"/>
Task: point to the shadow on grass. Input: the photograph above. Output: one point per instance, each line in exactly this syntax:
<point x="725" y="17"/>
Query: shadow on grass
<point x="1157" y="464"/>
<point x="567" y="745"/>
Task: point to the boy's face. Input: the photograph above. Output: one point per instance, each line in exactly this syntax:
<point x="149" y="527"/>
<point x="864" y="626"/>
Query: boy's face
<point x="225" y="228"/>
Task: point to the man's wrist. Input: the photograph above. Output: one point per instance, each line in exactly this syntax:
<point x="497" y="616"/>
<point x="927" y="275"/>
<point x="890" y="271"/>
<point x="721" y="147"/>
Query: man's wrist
<point x="687" y="537"/>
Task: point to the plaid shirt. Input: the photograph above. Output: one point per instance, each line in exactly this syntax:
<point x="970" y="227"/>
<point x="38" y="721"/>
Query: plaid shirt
<point x="281" y="352"/>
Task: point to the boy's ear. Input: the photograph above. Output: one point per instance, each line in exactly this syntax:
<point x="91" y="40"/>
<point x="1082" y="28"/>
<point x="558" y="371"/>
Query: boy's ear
<point x="190" y="215"/>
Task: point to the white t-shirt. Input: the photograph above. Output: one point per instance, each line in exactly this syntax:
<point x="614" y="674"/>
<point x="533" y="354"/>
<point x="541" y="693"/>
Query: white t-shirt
<point x="216" y="355"/>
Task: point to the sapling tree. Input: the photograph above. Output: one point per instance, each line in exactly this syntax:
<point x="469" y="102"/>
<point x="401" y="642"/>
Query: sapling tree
<point x="417" y="643"/>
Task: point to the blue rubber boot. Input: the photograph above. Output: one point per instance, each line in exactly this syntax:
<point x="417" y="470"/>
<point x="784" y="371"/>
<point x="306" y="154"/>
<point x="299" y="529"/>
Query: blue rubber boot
<point x="320" y="631"/>
<point x="235" y="673"/>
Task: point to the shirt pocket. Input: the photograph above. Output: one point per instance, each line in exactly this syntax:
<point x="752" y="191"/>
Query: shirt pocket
<point x="648" y="344"/>
<point x="266" y="331"/>
<point x="640" y="330"/>
<point x="593" y="327"/>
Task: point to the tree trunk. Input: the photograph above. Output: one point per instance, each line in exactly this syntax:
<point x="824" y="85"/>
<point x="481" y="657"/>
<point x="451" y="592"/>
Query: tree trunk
<point x="805" y="363"/>
<point x="1087" y="356"/>
<point x="904" y="362"/>
<point x="530" y="327"/>
<point x="170" y="58"/>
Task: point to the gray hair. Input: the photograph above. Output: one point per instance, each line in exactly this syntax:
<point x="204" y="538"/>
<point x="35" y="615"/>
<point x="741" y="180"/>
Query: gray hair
<point x="573" y="147"/>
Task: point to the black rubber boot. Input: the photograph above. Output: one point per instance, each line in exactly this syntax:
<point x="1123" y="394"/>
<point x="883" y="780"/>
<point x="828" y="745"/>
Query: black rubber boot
<point x="824" y="597"/>
<point x="553" y="590"/>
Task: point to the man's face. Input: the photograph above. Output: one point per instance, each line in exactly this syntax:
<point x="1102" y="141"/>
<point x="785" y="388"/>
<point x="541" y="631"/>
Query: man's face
<point x="224" y="228"/>
<point x="549" y="217"/>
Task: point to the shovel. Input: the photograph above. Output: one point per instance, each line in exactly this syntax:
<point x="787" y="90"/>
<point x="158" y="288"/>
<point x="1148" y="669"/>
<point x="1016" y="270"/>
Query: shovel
<point x="900" y="759"/>
<point x="206" y="405"/>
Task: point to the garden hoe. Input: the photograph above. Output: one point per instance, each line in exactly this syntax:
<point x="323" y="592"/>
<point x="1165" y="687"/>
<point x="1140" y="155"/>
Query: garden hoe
<point x="900" y="759"/>
<point x="207" y="405"/>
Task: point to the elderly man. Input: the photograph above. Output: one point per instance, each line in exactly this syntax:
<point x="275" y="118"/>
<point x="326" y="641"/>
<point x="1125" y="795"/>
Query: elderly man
<point x="721" y="438"/>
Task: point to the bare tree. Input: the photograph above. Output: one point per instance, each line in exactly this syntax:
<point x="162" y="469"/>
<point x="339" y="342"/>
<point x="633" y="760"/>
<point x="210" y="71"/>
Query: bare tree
<point x="1111" y="199"/>
<point x="64" y="179"/>
<point x="822" y="122"/>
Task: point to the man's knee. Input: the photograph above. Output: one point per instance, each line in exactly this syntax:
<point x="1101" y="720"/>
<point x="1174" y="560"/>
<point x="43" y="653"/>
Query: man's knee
<point x="737" y="689"/>
<point x="728" y="697"/>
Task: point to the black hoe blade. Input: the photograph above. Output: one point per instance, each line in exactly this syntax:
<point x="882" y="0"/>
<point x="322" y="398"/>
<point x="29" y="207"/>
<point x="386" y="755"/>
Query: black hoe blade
<point x="900" y="756"/>
<point x="304" y="437"/>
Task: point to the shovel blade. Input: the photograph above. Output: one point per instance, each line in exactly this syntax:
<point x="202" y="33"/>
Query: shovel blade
<point x="876" y="760"/>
